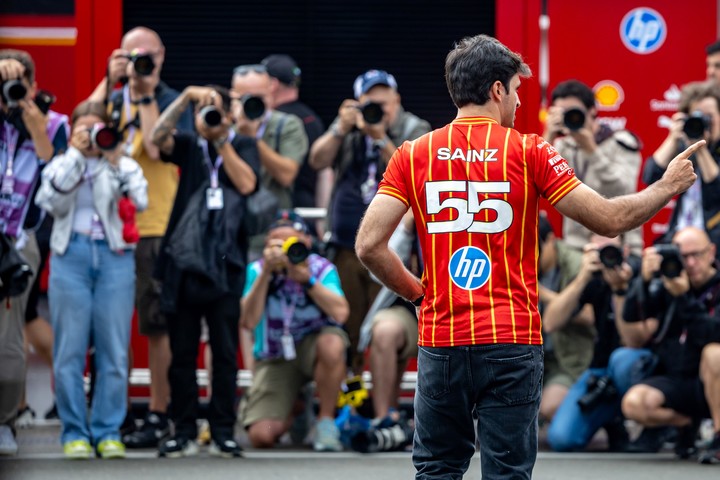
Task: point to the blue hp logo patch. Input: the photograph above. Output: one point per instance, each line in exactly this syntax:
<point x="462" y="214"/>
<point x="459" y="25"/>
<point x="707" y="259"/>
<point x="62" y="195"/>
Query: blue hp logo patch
<point x="469" y="268"/>
<point x="643" y="30"/>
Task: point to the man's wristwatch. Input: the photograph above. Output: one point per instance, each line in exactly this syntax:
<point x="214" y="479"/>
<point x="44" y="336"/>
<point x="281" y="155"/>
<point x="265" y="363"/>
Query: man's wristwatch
<point x="219" y="142"/>
<point x="310" y="283"/>
<point x="146" y="100"/>
<point x="335" y="131"/>
<point x="418" y="301"/>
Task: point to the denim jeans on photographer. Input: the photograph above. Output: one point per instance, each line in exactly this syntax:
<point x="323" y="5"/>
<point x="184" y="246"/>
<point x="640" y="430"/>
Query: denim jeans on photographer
<point x="572" y="429"/>
<point x="91" y="297"/>
<point x="497" y="384"/>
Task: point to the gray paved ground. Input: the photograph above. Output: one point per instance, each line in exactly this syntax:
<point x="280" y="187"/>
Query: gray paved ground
<point x="40" y="458"/>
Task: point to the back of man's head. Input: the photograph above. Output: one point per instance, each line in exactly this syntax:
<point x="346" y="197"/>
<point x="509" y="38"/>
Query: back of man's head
<point x="284" y="68"/>
<point x="475" y="64"/>
<point x="24" y="58"/>
<point x="574" y="88"/>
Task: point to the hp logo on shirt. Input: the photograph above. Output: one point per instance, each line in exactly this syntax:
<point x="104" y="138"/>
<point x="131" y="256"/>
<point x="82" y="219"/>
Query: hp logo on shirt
<point x="643" y="30"/>
<point x="469" y="268"/>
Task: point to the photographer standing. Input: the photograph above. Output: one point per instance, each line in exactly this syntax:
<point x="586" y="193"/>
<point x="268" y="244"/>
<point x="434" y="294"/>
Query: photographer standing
<point x="358" y="145"/>
<point x="295" y="305"/>
<point x="605" y="160"/>
<point x="672" y="306"/>
<point x="92" y="280"/>
<point x="135" y="108"/>
<point x="202" y="260"/>
<point x="30" y="135"/>
<point x="698" y="118"/>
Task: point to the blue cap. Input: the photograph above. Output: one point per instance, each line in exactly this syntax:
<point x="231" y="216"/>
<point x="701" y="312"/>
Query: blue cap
<point x="369" y="79"/>
<point x="288" y="218"/>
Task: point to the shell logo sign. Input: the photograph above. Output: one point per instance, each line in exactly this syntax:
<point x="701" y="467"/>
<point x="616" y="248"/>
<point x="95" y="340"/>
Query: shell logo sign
<point x="608" y="95"/>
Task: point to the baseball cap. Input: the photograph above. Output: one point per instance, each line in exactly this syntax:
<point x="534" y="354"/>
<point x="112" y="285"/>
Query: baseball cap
<point x="283" y="67"/>
<point x="369" y="79"/>
<point x="288" y="218"/>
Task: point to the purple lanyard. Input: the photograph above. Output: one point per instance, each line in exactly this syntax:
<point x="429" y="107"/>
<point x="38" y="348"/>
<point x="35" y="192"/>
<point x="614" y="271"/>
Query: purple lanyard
<point x="213" y="167"/>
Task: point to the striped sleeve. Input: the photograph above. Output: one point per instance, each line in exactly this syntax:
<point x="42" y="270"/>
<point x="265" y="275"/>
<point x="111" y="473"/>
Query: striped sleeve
<point x="394" y="181"/>
<point x="553" y="175"/>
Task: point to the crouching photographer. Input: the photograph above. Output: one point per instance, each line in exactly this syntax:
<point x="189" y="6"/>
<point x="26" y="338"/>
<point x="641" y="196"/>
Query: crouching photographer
<point x="672" y="307"/>
<point x="593" y="401"/>
<point x="294" y="304"/>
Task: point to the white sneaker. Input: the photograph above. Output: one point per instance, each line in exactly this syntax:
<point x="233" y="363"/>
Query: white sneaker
<point x="8" y="445"/>
<point x="25" y="418"/>
<point x="327" y="436"/>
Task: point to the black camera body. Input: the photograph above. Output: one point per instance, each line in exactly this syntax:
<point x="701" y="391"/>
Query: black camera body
<point x="253" y="106"/>
<point x="211" y="116"/>
<point x="599" y="390"/>
<point x="611" y="256"/>
<point x="696" y="124"/>
<point x="372" y="112"/>
<point x="672" y="263"/>
<point x="296" y="251"/>
<point x="143" y="63"/>
<point x="574" y="119"/>
<point x="13" y="91"/>
<point x="104" y="137"/>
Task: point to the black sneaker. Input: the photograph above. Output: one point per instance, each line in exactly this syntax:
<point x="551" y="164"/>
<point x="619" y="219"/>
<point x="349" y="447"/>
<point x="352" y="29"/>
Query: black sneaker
<point x="128" y="425"/>
<point x="651" y="440"/>
<point x="177" y="447"/>
<point x="154" y="429"/>
<point x="711" y="456"/>
<point x="228" y="448"/>
<point x="52" y="414"/>
<point x="685" y="443"/>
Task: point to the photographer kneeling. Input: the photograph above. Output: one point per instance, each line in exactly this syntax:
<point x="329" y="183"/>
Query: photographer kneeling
<point x="593" y="401"/>
<point x="295" y="305"/>
<point x="674" y="306"/>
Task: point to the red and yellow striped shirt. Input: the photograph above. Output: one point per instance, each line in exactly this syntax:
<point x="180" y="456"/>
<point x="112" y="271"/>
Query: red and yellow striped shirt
<point x="474" y="188"/>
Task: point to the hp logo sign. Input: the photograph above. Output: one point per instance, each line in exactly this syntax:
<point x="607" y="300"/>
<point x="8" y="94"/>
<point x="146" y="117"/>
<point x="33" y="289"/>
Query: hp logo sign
<point x="643" y="30"/>
<point x="469" y="268"/>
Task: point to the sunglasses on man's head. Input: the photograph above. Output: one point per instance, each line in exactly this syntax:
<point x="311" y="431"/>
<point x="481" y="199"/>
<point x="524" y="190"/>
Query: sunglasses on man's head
<point x="245" y="69"/>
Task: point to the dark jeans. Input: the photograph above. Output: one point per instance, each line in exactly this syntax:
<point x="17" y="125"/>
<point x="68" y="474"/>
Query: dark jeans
<point x="497" y="384"/>
<point x="222" y="318"/>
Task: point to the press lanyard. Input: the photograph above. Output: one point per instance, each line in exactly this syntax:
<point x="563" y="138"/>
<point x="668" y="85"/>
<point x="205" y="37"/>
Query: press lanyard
<point x="288" y="312"/>
<point x="263" y="126"/>
<point x="130" y="127"/>
<point x="12" y="136"/>
<point x="214" y="167"/>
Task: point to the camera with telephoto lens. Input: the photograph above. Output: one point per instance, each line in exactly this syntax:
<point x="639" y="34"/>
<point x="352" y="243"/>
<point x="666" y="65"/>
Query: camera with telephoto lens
<point x="143" y="63"/>
<point x="211" y="116"/>
<point x="372" y="112"/>
<point x="672" y="263"/>
<point x="296" y="251"/>
<point x="13" y="91"/>
<point x="104" y="137"/>
<point x="574" y="119"/>
<point x="599" y="389"/>
<point x="253" y="106"/>
<point x="611" y="256"/>
<point x="696" y="124"/>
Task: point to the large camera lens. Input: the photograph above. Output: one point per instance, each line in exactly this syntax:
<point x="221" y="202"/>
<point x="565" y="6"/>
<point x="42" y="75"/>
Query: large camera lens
<point x="671" y="265"/>
<point x="695" y="125"/>
<point x="143" y="63"/>
<point x="104" y="137"/>
<point x="13" y="91"/>
<point x="297" y="252"/>
<point x="611" y="256"/>
<point x="211" y="116"/>
<point x="574" y="119"/>
<point x="253" y="106"/>
<point x="372" y="112"/>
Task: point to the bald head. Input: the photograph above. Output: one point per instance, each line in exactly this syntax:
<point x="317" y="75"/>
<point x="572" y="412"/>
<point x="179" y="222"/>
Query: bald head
<point x="141" y="37"/>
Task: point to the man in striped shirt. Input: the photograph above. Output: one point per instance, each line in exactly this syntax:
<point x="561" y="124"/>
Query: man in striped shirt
<point x="474" y="187"/>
